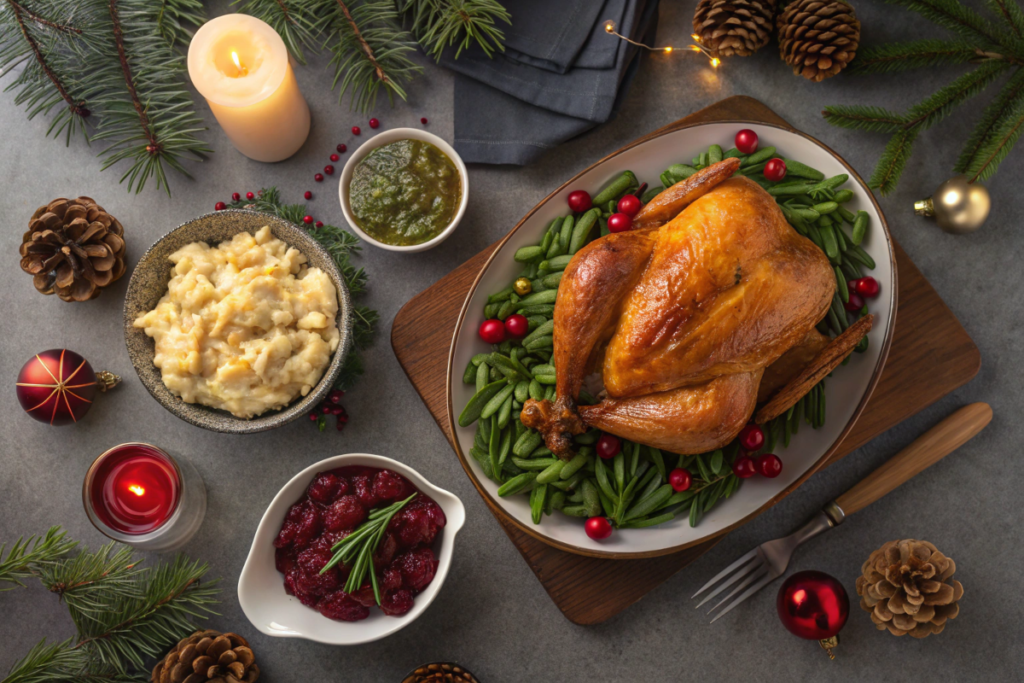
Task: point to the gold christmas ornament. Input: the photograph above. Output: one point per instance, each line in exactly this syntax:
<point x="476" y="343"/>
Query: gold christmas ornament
<point x="522" y="286"/>
<point x="908" y="587"/>
<point x="958" y="206"/>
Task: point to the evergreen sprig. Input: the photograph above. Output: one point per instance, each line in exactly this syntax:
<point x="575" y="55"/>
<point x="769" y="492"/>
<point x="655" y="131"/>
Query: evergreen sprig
<point x="123" y="613"/>
<point x="341" y="245"/>
<point x="997" y="47"/>
<point x="442" y="23"/>
<point x="292" y="19"/>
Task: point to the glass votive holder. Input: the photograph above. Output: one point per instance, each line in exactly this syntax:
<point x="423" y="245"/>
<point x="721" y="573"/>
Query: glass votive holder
<point x="138" y="494"/>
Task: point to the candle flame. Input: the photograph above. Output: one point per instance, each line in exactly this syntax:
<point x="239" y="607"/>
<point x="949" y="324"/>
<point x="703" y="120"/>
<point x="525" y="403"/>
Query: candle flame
<point x="242" y="71"/>
<point x="136" y="489"/>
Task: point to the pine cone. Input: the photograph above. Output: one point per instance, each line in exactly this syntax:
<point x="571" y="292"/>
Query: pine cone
<point x="734" y="27"/>
<point x="73" y="248"/>
<point x="208" y="656"/>
<point x="908" y="587"/>
<point x="818" y="38"/>
<point x="440" y="672"/>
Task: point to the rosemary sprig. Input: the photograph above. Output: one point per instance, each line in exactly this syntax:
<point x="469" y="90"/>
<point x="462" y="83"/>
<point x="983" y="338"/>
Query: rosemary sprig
<point x="357" y="548"/>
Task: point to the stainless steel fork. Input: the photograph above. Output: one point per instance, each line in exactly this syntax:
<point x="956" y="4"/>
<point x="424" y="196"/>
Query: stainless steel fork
<point x="768" y="561"/>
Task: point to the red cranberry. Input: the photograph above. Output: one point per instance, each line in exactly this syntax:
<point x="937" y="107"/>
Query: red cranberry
<point x="307" y="219"/>
<point x="680" y="479"/>
<point x="220" y="206"/>
<point x="854" y="303"/>
<point x="390" y="486"/>
<point x="751" y="438"/>
<point x="341" y="607"/>
<point x="250" y="195"/>
<point x="286" y="535"/>
<point x="374" y="123"/>
<point x="579" y="201"/>
<point x="319" y="224"/>
<point x="598" y="528"/>
<point x="390" y="579"/>
<point x="314" y="558"/>
<point x="319" y="177"/>
<point x="284" y="560"/>
<point x="417" y="567"/>
<point x="344" y="514"/>
<point x="235" y="196"/>
<point x="289" y="581"/>
<point x="309" y="527"/>
<point x="308" y="194"/>
<point x="396" y="603"/>
<point x="746" y="141"/>
<point x="342" y="149"/>
<point x="335" y="396"/>
<point x="418" y="523"/>
<point x="492" y="331"/>
<point x="629" y="205"/>
<point x="385" y="551"/>
<point x="744" y="467"/>
<point x="314" y="416"/>
<point x="517" y="325"/>
<point x="769" y="465"/>
<point x="364" y="596"/>
<point x="868" y="287"/>
<point x="334" y="157"/>
<point x="619" y="222"/>
<point x="423" y="120"/>
<point x="608" y="446"/>
<point x="362" y="486"/>
<point x="307" y="599"/>
<point x="775" y="170"/>
<point x="328" y="169"/>
<point x="323" y="488"/>
<point x="355" y="130"/>
<point x="295" y="512"/>
<point x="325" y="409"/>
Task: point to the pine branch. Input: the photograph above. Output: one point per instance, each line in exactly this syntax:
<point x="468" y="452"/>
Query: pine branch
<point x="89" y="582"/>
<point x="438" y="24"/>
<point x="863" y="117"/>
<point x="997" y="145"/>
<point x="938" y="106"/>
<point x="956" y="17"/>
<point x="914" y="55"/>
<point x="1011" y="13"/>
<point x="995" y="114"/>
<point x="894" y="160"/>
<point x="290" y="18"/>
<point x="175" y="16"/>
<point x="32" y="557"/>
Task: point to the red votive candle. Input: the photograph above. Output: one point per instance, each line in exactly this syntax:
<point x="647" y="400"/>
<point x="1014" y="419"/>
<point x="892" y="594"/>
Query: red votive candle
<point x="138" y="494"/>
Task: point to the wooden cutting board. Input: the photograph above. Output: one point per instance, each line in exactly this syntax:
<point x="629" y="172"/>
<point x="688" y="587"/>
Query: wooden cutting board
<point x="931" y="355"/>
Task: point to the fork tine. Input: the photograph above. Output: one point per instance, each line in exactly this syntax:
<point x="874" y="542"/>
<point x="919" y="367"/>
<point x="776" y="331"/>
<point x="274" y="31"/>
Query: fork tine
<point x="746" y="594"/>
<point x="725" y="572"/>
<point x="752" y="565"/>
<point x="754" y="576"/>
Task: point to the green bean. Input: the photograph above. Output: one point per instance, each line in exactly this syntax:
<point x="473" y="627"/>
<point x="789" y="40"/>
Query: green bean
<point x="759" y="156"/>
<point x="860" y="227"/>
<point x="650" y="521"/>
<point x="506" y="443"/>
<point x="668" y="180"/>
<point x="535" y="464"/>
<point x="496" y="401"/>
<point x="473" y="410"/>
<point x="841" y="238"/>
<point x="526" y="442"/>
<point x="844" y="291"/>
<point x="552" y="281"/>
<point x="493" y="450"/>
<point x="549" y="391"/>
<point x="490" y="310"/>
<point x="546" y="328"/>
<point x="828" y="238"/>
<point x="591" y="498"/>
<point x="548" y="296"/>
<point x="505" y="412"/>
<point x="792" y="188"/>
<point x="843" y="196"/>
<point x="517" y="484"/>
<point x="536" y="390"/>
<point x="847" y="216"/>
<point x="807" y="214"/>
<point x="574" y="465"/>
<point x="616" y="188"/>
<point x="840" y="311"/>
<point x="483" y="372"/>
<point x="547" y="380"/>
<point x="650" y="193"/>
<point x="651" y="503"/>
<point x="557" y="500"/>
<point x="825" y="207"/>
<point x="827" y="184"/>
<point x="469" y="375"/>
<point x="795" y="168"/>
<point x="582" y="230"/>
<point x="538" y="498"/>
<point x="523" y="391"/>
<point x="546" y="310"/>
<point x="589" y="437"/>
<point x="677" y="498"/>
<point x="503" y="295"/>
<point x="525" y="254"/>
<point x="506" y="309"/>
<point x="542" y="342"/>
<point x="545" y="243"/>
<point x="680" y="171"/>
<point x="702" y="160"/>
<point x="556" y="248"/>
<point x="733" y="152"/>
<point x="626" y="498"/>
<point x="559" y="262"/>
<point x="541" y="452"/>
<point x="860" y="255"/>
<point x="619" y="467"/>
<point x="601" y="472"/>
<point x="714" y="154"/>
<point x="551" y="473"/>
<point x="576" y="511"/>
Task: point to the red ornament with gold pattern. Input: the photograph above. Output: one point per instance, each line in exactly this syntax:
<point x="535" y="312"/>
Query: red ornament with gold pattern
<point x="814" y="606"/>
<point x="58" y="386"/>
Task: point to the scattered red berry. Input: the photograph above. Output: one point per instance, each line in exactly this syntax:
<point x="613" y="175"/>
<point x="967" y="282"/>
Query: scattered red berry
<point x="769" y="465"/>
<point x="250" y="195"/>
<point x="325" y="409"/>
<point x="374" y="123"/>
<point x="307" y="219"/>
<point x="744" y="467"/>
<point x="680" y="479"/>
<point x="579" y="201"/>
<point x="775" y="170"/>
<point x="423" y="120"/>
<point x="854" y="303"/>
<point x="517" y="325"/>
<point x="318" y="177"/>
<point x="220" y="206"/>
<point x="319" y="224"/>
<point x="492" y="331"/>
<point x="751" y="438"/>
<point x="335" y="396"/>
<point x="314" y="416"/>
<point x="746" y="141"/>
<point x="308" y="194"/>
<point x="619" y="222"/>
<point x="328" y="169"/>
<point x="341" y="148"/>
<point x="334" y="157"/>
<point x="608" y="446"/>
<point x="598" y="528"/>
<point x="867" y="286"/>
<point x="355" y="130"/>
<point x="629" y="205"/>
<point x="235" y="196"/>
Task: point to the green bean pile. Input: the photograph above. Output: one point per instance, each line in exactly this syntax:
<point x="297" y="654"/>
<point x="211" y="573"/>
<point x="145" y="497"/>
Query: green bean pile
<point x="632" y="488"/>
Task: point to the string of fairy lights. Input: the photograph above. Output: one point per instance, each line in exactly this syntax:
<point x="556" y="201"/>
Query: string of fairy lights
<point x="609" y="27"/>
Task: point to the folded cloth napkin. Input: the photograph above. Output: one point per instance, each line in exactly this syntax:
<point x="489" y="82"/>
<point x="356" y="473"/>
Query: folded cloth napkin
<point x="508" y="111"/>
<point x="551" y="35"/>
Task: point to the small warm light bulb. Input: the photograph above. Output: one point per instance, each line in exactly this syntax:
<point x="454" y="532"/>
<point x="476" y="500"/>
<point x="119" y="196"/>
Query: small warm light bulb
<point x="609" y="27"/>
<point x="695" y="48"/>
<point x="136" y="489"/>
<point x="715" y="61"/>
<point x="668" y="49"/>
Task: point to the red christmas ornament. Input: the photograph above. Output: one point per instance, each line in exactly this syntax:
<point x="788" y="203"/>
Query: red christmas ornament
<point x="814" y="606"/>
<point x="598" y="528"/>
<point x="775" y="170"/>
<point x="629" y="205"/>
<point x="517" y="325"/>
<point x="746" y="141"/>
<point x="579" y="201"/>
<point x="58" y="386"/>
<point x="619" y="222"/>
<point x="235" y="196"/>
<point x="492" y="331"/>
<point x="374" y="123"/>
<point x="220" y="206"/>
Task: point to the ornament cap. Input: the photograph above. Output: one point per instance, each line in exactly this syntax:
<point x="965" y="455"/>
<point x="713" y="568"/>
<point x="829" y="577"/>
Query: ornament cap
<point x="106" y="380"/>
<point x="924" y="207"/>
<point x="828" y="643"/>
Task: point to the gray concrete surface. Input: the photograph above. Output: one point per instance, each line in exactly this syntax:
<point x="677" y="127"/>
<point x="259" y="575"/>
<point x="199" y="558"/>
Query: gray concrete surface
<point x="493" y="616"/>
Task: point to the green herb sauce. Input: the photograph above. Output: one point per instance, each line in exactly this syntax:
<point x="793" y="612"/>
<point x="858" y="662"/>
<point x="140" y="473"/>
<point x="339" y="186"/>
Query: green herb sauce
<point x="405" y="192"/>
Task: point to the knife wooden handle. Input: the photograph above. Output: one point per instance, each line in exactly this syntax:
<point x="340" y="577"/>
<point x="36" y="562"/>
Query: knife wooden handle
<point x="925" y="451"/>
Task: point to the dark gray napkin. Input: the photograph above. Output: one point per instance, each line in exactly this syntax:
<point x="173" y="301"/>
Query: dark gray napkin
<point x="507" y="112"/>
<point x="555" y="36"/>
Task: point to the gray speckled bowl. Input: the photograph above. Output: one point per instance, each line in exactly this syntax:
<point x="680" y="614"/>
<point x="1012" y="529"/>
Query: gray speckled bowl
<point x="149" y="282"/>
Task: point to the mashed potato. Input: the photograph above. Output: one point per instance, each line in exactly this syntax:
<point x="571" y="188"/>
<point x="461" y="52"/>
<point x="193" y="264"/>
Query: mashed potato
<point x="245" y="326"/>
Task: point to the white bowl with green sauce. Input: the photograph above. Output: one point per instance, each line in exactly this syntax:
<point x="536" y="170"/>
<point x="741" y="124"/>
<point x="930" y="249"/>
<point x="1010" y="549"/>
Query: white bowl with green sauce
<point x="404" y="190"/>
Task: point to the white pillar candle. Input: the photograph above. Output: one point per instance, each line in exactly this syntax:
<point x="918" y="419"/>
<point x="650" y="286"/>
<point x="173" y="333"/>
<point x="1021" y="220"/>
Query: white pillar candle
<point x="240" y="65"/>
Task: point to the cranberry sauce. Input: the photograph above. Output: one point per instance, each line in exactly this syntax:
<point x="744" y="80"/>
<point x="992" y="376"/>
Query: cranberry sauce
<point x="335" y="504"/>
